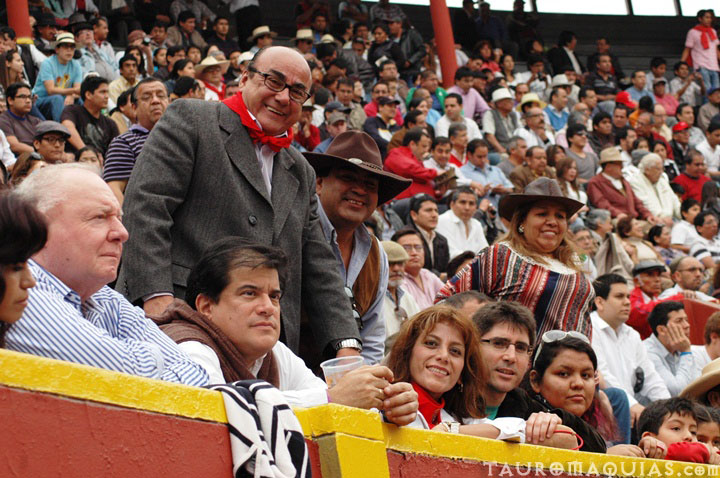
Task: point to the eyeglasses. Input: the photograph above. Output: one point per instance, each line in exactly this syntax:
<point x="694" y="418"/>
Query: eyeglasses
<point x="356" y="312"/>
<point x="54" y="139"/>
<point x="501" y="344"/>
<point x="556" y="335"/>
<point x="23" y="97"/>
<point x="411" y="247"/>
<point x="272" y="82"/>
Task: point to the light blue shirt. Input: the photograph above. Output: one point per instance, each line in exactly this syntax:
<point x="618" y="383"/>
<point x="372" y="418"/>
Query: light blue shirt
<point x="636" y="94"/>
<point x="677" y="369"/>
<point x="105" y="331"/>
<point x="373" y="329"/>
<point x="63" y="76"/>
<point x="488" y="175"/>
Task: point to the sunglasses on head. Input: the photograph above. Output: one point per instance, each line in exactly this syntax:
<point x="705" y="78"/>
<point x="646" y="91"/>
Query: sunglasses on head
<point x="552" y="336"/>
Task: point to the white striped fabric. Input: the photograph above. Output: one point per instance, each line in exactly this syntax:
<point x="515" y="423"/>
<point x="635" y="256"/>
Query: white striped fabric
<point x="105" y="331"/>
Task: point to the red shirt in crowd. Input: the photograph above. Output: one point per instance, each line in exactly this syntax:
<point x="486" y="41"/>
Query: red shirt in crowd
<point x="403" y="162"/>
<point x="692" y="186"/>
<point x="640" y="310"/>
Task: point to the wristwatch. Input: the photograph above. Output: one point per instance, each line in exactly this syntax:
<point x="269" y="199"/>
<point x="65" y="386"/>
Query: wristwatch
<point x="349" y="344"/>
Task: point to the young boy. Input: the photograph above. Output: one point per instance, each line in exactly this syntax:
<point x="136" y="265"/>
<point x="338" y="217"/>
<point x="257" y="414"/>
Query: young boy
<point x="673" y="422"/>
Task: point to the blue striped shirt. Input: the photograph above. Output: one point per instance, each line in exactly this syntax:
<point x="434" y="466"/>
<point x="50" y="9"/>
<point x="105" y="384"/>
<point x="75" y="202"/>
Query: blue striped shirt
<point x="105" y="331"/>
<point x="123" y="152"/>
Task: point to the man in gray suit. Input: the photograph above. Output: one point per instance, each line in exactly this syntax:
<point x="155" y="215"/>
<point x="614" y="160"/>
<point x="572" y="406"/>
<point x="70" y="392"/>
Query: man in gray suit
<point x="211" y="170"/>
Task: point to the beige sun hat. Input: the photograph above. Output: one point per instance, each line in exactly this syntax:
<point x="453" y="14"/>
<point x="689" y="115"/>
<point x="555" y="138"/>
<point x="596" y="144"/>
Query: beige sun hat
<point x="709" y="379"/>
<point x="304" y="34"/>
<point x="395" y="252"/>
<point x="260" y="31"/>
<point x="209" y="61"/>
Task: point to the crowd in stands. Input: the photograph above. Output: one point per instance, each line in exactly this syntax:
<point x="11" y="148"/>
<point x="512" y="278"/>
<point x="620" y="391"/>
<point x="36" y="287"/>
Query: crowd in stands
<point x="204" y="207"/>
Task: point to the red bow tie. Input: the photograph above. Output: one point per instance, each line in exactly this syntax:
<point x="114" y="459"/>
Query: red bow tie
<point x="276" y="143"/>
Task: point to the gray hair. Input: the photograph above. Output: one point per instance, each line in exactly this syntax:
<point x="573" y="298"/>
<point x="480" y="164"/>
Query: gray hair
<point x="648" y="161"/>
<point x="456" y="128"/>
<point x="44" y="187"/>
<point x="595" y="217"/>
<point x="579" y="228"/>
<point x="513" y="142"/>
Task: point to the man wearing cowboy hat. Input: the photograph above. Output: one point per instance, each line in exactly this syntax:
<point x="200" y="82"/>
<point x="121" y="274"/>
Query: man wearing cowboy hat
<point x="304" y="40"/>
<point x="46" y="27"/>
<point x="706" y="388"/>
<point x="261" y="37"/>
<point x="351" y="184"/>
<point x="209" y="71"/>
<point x="609" y="190"/>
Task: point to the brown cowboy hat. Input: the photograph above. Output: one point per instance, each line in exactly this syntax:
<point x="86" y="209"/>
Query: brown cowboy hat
<point x="708" y="380"/>
<point x="359" y="150"/>
<point x="542" y="189"/>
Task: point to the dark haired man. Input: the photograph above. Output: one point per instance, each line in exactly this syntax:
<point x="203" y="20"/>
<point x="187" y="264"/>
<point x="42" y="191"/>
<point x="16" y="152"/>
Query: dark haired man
<point x="454" y="114"/>
<point x="49" y="142"/>
<point x="424" y="218"/>
<point x="174" y="53"/>
<point x="474" y="105"/>
<point x="658" y="67"/>
<point x="603" y="81"/>
<point x="208" y="171"/>
<point x="701" y="46"/>
<point x="706" y="248"/>
<point x="415" y="118"/>
<point x="184" y="33"/>
<point x="102" y="51"/>
<point x="219" y="38"/>
<point x="127" y="79"/>
<point x="623" y="361"/>
<point x="149" y="101"/>
<point x="407" y="161"/>
<point x="669" y="346"/>
<point x="462" y="231"/>
<point x="17" y="123"/>
<point x="603" y="48"/>
<point x="216" y="324"/>
<point x="564" y="54"/>
<point x="86" y="123"/>
<point x="382" y="126"/>
<point x="350" y="185"/>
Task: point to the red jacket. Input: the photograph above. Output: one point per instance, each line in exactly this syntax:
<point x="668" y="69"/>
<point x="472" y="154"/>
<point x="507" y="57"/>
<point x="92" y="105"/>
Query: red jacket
<point x="692" y="186"/>
<point x="603" y="195"/>
<point x="640" y="310"/>
<point x="403" y="162"/>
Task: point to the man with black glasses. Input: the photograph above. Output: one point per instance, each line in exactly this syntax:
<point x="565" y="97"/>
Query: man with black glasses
<point x="214" y="169"/>
<point x="17" y="123"/>
<point x="50" y="139"/>
<point x="623" y="361"/>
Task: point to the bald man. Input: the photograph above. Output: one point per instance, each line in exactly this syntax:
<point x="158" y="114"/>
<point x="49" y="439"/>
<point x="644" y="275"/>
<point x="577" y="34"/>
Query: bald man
<point x="214" y="169"/>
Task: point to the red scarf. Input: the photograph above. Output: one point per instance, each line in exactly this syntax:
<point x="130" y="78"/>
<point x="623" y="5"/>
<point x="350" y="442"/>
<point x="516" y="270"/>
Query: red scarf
<point x="428" y="407"/>
<point x="220" y="92"/>
<point x="706" y="35"/>
<point x="237" y="104"/>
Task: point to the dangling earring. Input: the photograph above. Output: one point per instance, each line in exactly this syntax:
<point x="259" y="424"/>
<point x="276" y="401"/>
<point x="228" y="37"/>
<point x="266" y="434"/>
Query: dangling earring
<point x="460" y="386"/>
<point x="521" y="229"/>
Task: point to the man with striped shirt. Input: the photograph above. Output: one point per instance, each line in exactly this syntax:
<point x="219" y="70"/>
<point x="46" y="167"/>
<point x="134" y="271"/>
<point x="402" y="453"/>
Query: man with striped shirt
<point x="706" y="248"/>
<point x="149" y="101"/>
<point x="72" y="314"/>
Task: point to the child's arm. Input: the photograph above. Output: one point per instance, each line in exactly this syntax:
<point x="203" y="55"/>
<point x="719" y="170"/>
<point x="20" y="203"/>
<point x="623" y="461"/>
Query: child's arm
<point x="653" y="448"/>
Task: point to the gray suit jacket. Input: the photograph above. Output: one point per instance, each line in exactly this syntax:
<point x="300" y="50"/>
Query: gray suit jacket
<point x="198" y="180"/>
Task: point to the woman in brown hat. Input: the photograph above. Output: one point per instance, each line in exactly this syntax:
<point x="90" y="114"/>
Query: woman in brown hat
<point x="535" y="263"/>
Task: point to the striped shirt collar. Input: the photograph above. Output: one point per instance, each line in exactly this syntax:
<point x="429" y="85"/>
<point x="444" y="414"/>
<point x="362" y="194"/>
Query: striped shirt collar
<point x="42" y="275"/>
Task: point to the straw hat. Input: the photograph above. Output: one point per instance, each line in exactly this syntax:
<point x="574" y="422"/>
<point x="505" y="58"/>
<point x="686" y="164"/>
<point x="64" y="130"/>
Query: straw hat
<point x="530" y="98"/>
<point x="359" y="150"/>
<point x="260" y="31"/>
<point x="610" y="155"/>
<point x="207" y="62"/>
<point x="542" y="189"/>
<point x="304" y="34"/>
<point x="708" y="380"/>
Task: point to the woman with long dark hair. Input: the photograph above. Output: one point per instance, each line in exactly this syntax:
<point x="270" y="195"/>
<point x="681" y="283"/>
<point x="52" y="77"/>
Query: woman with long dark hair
<point x="23" y="233"/>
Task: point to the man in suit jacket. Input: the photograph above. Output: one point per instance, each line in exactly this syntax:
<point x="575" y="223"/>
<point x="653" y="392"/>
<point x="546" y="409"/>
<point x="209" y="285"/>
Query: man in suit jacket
<point x="211" y="170"/>
<point x="609" y="190"/>
<point x="424" y="219"/>
<point x="563" y="55"/>
<point x="535" y="166"/>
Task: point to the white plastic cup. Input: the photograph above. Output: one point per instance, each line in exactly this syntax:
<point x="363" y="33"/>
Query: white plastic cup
<point x="335" y="369"/>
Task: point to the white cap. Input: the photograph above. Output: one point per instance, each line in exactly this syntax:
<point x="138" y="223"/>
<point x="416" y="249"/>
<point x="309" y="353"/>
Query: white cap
<point x="501" y="94"/>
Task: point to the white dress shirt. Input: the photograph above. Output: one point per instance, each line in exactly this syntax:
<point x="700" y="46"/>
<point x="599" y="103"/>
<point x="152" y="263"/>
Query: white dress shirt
<point x="684" y="233"/>
<point x="459" y="239"/>
<point x="298" y="384"/>
<point x="443" y="125"/>
<point x="700" y="356"/>
<point x="676" y="369"/>
<point x="676" y="289"/>
<point x="620" y="352"/>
